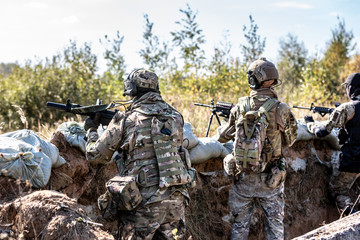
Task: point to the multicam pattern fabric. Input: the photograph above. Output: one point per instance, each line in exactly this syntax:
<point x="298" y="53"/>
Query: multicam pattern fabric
<point x="250" y="135"/>
<point x="249" y="191"/>
<point x="124" y="192"/>
<point x="130" y="133"/>
<point x="340" y="185"/>
<point x="265" y="188"/>
<point x="172" y="170"/>
<point x="282" y="129"/>
<point x="338" y="118"/>
<point x="160" y="220"/>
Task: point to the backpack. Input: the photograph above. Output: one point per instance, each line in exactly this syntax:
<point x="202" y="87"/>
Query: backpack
<point x="250" y="136"/>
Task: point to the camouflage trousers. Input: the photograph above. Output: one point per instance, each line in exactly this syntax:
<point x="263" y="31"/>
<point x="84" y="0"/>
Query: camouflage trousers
<point x="339" y="186"/>
<point x="159" y="220"/>
<point x="251" y="190"/>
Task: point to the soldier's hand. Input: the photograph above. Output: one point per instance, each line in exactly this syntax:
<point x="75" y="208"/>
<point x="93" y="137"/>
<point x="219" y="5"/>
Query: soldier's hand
<point x="342" y="136"/>
<point x="308" y="118"/>
<point x="92" y="122"/>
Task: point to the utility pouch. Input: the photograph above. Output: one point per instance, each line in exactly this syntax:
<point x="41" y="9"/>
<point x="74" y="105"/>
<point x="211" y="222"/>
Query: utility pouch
<point x="124" y="192"/>
<point x="107" y="207"/>
<point x="275" y="177"/>
<point x="230" y="166"/>
<point x="185" y="157"/>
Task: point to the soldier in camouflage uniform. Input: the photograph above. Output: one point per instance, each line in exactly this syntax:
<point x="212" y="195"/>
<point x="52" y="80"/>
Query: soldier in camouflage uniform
<point x="265" y="187"/>
<point x="153" y="172"/>
<point x="347" y="118"/>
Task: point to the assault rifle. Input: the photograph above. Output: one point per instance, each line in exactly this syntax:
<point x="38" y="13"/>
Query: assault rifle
<point x="105" y="114"/>
<point x="320" y="110"/>
<point x="223" y="108"/>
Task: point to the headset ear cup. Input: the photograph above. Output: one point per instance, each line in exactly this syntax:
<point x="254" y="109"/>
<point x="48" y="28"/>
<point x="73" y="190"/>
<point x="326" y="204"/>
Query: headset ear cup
<point x="130" y="89"/>
<point x="253" y="82"/>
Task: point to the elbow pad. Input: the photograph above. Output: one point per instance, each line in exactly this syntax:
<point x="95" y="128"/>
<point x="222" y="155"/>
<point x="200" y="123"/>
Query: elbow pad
<point x="321" y="132"/>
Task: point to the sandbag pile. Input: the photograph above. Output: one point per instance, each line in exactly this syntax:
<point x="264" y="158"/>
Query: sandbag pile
<point x="205" y="148"/>
<point x="25" y="156"/>
<point x="304" y="135"/>
<point x="74" y="133"/>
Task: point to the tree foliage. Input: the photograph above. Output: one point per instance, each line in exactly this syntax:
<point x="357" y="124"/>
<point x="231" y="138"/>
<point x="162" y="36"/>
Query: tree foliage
<point x="254" y="46"/>
<point x="189" y="38"/>
<point x="291" y="64"/>
<point x="336" y="56"/>
<point x="154" y="55"/>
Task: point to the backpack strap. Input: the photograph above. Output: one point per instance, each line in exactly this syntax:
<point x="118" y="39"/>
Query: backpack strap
<point x="265" y="108"/>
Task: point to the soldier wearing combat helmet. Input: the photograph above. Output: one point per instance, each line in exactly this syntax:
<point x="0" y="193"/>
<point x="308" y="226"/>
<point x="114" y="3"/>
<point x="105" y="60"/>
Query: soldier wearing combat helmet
<point x="150" y="193"/>
<point x="260" y="126"/>
<point x="347" y="118"/>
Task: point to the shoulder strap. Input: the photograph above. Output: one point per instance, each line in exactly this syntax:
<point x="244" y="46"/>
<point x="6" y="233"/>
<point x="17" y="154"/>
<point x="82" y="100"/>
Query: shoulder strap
<point x="265" y="108"/>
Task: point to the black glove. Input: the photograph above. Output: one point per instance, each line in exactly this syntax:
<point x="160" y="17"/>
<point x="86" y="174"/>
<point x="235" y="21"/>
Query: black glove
<point x="308" y="118"/>
<point x="342" y="136"/>
<point x="92" y="122"/>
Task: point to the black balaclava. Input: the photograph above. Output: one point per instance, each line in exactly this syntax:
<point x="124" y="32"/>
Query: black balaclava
<point x="353" y="85"/>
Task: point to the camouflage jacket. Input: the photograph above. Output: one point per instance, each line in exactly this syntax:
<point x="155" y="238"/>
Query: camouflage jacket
<point x="337" y="119"/>
<point x="282" y="129"/>
<point x="138" y="154"/>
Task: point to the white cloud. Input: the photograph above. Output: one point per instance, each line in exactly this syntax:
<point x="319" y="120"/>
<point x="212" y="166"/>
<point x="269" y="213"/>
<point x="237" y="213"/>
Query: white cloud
<point x="36" y="5"/>
<point x="293" y="5"/>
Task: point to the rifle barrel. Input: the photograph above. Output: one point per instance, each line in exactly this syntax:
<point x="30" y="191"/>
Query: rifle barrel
<point x="56" y="105"/>
<point x="301" y="107"/>
<point x="203" y="105"/>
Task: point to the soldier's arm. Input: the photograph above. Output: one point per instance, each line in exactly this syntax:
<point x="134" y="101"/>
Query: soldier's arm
<point x="226" y="131"/>
<point x="287" y="124"/>
<point x="337" y="119"/>
<point x="99" y="150"/>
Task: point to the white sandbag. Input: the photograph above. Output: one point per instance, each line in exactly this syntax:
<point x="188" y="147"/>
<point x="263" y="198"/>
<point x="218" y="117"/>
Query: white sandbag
<point x="33" y="139"/>
<point x="207" y="149"/>
<point x="304" y="135"/>
<point x="23" y="161"/>
<point x="229" y="146"/>
<point x="190" y="140"/>
<point x="74" y="133"/>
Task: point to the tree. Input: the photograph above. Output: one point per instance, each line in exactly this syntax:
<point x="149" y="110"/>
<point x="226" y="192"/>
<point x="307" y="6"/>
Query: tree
<point x="255" y="46"/>
<point x="6" y="68"/>
<point x="336" y="56"/>
<point x="116" y="67"/>
<point x="292" y="62"/>
<point x="189" y="39"/>
<point x="154" y="56"/>
<point x="70" y="74"/>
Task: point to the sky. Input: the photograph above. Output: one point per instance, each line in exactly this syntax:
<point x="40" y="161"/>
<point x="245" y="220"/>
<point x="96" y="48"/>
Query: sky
<point x="31" y="30"/>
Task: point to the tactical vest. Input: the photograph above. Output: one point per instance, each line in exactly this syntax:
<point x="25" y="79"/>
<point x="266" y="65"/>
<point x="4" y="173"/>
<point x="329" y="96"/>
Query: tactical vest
<point x="350" y="157"/>
<point x="153" y="153"/>
<point x="271" y="148"/>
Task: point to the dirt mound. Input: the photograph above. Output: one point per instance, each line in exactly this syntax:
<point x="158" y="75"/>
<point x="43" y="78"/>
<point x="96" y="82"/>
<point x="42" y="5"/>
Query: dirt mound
<point x="49" y="215"/>
<point x="308" y="204"/>
<point x="347" y="228"/>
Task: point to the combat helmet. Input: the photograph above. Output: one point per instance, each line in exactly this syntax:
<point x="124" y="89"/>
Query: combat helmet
<point x="260" y="71"/>
<point x="141" y="81"/>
